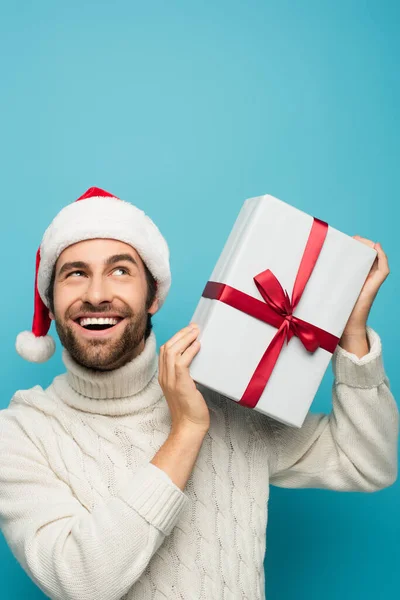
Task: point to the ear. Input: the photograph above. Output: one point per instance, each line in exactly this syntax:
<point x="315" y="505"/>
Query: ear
<point x="52" y="317"/>
<point x="154" y="307"/>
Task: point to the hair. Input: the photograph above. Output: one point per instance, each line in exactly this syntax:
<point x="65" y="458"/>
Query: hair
<point x="151" y="294"/>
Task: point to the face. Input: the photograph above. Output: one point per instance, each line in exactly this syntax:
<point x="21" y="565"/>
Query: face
<point x="100" y="293"/>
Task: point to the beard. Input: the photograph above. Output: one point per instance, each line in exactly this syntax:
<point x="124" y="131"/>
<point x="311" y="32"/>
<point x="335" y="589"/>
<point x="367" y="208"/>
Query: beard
<point x="104" y="354"/>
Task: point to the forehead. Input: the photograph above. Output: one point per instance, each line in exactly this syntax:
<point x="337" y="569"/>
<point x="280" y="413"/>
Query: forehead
<point x="95" y="252"/>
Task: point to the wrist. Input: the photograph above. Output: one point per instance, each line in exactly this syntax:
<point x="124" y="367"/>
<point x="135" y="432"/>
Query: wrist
<point x="358" y="335"/>
<point x="189" y="429"/>
<point x="358" y="329"/>
<point x="356" y="342"/>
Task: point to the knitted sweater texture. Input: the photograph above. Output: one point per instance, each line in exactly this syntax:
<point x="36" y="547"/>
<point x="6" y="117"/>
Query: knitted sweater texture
<point x="89" y="517"/>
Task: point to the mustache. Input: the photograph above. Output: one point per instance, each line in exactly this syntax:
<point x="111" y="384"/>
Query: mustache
<point x="88" y="309"/>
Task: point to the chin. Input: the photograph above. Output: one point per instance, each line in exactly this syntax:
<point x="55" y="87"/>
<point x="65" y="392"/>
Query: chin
<point x="103" y="353"/>
<point x="100" y="357"/>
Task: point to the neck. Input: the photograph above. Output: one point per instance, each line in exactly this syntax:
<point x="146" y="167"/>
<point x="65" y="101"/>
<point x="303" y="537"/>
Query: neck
<point x="119" y="391"/>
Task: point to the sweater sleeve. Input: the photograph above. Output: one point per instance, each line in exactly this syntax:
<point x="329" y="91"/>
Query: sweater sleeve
<point x="354" y="448"/>
<point x="69" y="553"/>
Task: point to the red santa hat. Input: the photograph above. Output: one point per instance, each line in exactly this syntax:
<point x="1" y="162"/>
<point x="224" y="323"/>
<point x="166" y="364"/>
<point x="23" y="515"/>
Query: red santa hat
<point x="95" y="214"/>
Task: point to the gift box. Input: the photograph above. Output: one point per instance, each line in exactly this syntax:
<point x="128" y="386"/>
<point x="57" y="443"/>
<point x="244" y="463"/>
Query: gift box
<point x="275" y="307"/>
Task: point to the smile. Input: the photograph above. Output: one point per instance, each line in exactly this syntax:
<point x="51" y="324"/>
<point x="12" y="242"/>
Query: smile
<point x="97" y="326"/>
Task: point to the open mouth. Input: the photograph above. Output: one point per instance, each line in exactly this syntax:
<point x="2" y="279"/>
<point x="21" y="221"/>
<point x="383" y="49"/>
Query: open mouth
<point x="98" y="324"/>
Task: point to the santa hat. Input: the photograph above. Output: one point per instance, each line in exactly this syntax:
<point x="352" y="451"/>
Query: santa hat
<point x="96" y="214"/>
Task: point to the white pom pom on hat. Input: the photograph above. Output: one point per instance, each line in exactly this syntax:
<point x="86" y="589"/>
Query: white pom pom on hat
<point x="35" y="345"/>
<point x="99" y="215"/>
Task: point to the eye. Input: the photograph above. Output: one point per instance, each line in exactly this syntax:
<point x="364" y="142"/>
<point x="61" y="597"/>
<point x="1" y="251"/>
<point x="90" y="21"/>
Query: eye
<point x="124" y="271"/>
<point x="74" y="273"/>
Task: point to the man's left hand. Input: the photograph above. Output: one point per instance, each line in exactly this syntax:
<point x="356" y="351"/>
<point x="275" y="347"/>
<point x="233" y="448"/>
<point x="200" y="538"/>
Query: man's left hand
<point x="357" y="322"/>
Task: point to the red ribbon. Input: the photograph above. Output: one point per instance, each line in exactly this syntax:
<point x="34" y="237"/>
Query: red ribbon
<point x="277" y="310"/>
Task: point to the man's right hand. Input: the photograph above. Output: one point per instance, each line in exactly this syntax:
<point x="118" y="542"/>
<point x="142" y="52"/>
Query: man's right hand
<point x="187" y="405"/>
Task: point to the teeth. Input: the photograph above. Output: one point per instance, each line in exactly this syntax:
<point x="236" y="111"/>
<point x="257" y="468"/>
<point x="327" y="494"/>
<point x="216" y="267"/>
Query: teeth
<point x="94" y="321"/>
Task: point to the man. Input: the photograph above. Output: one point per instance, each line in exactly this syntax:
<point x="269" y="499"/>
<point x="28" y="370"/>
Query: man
<point x="123" y="479"/>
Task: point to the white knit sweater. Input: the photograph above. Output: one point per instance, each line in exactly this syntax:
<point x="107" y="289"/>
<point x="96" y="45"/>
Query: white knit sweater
<point x="88" y="516"/>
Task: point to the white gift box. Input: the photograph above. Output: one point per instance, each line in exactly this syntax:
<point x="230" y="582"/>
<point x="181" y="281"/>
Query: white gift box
<point x="271" y="234"/>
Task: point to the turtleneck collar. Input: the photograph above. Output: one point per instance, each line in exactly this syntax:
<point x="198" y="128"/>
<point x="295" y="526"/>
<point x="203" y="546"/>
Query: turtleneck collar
<point x="128" y="389"/>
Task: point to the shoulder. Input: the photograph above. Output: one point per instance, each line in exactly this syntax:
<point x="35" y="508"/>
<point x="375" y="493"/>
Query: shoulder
<point x="27" y="410"/>
<point x="33" y="397"/>
<point x="21" y="399"/>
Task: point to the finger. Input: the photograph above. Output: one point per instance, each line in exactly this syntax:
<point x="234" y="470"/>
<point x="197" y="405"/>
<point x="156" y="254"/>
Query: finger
<point x="364" y="240"/>
<point x="161" y="364"/>
<point x="383" y="264"/>
<point x="381" y="258"/>
<point x="164" y="373"/>
<point x="183" y="342"/>
<point x="184" y="360"/>
<point x="173" y="353"/>
<point x="178" y="335"/>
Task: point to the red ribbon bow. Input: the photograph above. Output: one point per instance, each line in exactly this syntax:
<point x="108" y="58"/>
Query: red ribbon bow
<point x="277" y="310"/>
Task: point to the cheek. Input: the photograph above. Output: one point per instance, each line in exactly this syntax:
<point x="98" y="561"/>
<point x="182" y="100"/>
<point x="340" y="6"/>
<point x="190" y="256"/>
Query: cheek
<point x="133" y="295"/>
<point x="64" y="298"/>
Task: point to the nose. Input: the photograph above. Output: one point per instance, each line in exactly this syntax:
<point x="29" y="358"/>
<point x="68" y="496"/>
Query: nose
<point x="97" y="291"/>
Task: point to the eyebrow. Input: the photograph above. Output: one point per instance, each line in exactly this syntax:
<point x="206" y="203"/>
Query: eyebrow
<point x="111" y="260"/>
<point x="72" y="265"/>
<point x="120" y="258"/>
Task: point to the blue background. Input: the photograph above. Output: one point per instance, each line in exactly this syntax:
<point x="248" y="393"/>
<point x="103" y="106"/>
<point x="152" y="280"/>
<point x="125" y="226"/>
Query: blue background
<point x="187" y="109"/>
